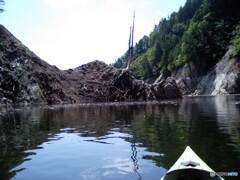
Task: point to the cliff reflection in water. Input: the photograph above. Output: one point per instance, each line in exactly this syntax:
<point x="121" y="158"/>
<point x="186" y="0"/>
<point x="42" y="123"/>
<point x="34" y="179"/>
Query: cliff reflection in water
<point x="210" y="125"/>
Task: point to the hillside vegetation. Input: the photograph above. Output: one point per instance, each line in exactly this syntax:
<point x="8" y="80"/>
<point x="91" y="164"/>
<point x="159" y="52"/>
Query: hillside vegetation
<point x="201" y="31"/>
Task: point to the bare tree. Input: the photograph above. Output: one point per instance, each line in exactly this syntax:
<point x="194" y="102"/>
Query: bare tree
<point x="130" y="43"/>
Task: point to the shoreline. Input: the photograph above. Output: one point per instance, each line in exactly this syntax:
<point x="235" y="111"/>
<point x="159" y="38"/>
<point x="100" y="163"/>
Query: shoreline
<point x="117" y="103"/>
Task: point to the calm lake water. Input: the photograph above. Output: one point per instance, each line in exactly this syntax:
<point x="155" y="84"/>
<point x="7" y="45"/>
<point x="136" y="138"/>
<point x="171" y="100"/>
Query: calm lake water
<point x="118" y="142"/>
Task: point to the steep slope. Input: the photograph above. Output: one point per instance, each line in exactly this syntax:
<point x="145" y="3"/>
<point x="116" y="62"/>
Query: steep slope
<point x="189" y="43"/>
<point x="223" y="78"/>
<point x="25" y="78"/>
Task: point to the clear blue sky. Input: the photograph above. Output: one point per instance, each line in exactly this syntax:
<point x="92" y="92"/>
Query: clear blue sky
<point x="68" y="33"/>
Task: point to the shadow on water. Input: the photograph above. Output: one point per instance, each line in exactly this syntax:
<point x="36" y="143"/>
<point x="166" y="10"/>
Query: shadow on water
<point x="210" y="125"/>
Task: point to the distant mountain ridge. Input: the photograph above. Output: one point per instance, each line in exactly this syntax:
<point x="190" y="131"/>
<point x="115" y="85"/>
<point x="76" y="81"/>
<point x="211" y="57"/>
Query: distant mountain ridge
<point x="189" y="44"/>
<point x="27" y="79"/>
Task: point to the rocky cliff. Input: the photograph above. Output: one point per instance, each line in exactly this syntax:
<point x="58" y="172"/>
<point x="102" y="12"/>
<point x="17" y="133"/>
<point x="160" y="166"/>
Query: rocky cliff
<point x="223" y="78"/>
<point x="25" y="78"/>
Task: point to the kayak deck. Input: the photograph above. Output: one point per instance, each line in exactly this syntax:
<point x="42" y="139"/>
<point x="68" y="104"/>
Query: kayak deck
<point x="190" y="166"/>
<point x="190" y="174"/>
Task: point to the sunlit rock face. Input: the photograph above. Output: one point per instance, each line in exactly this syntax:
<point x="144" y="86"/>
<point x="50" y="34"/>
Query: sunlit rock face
<point x="222" y="78"/>
<point x="25" y="78"/>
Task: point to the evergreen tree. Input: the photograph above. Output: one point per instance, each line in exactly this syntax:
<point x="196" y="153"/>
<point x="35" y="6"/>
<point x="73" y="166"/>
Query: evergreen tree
<point x="199" y="32"/>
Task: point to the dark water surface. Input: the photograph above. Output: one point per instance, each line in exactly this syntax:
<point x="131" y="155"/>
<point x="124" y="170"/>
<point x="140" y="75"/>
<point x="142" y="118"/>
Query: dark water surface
<point x="118" y="142"/>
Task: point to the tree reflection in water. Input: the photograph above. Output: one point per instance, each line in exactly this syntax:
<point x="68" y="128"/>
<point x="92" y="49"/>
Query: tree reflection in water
<point x="210" y="125"/>
<point x="135" y="159"/>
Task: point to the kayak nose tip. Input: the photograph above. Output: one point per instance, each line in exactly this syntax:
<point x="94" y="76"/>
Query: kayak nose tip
<point x="190" y="164"/>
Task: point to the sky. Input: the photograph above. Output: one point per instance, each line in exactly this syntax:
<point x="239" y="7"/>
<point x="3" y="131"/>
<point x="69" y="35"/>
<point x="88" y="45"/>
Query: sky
<point x="69" y="33"/>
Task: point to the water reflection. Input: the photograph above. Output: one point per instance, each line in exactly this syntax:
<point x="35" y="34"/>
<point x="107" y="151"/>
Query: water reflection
<point x="210" y="125"/>
<point x="118" y="141"/>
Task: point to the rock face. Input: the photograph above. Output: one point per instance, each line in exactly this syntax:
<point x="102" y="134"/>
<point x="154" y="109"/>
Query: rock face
<point x="223" y="78"/>
<point x="25" y="78"/>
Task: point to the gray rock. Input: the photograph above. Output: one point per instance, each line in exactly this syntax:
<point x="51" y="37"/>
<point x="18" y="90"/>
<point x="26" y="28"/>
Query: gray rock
<point x="222" y="78"/>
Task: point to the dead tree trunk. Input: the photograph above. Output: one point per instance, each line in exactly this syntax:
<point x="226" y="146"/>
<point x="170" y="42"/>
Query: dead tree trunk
<point x="130" y="43"/>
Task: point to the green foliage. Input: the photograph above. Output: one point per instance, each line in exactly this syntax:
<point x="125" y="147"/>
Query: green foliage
<point x="121" y="62"/>
<point x="142" y="45"/>
<point x="200" y="32"/>
<point x="141" y="66"/>
<point x="140" y="48"/>
<point x="203" y="40"/>
<point x="236" y="42"/>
